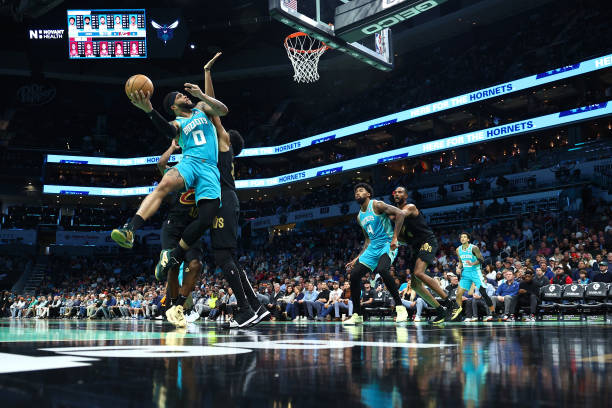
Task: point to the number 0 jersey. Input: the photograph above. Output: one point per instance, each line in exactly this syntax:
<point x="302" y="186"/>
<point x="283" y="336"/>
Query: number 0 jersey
<point x="198" y="137"/>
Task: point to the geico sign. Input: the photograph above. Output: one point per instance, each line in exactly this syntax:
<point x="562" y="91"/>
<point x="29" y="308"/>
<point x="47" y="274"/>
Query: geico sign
<point x="400" y="16"/>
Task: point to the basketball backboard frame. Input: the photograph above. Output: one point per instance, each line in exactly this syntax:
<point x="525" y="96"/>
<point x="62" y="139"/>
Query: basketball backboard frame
<point x="382" y="59"/>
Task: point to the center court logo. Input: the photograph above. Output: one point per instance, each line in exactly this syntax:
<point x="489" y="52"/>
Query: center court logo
<point x="86" y="356"/>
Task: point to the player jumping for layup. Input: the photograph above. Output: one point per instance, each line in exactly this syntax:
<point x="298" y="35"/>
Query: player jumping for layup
<point x="470" y="260"/>
<point x="379" y="249"/>
<point x="198" y="138"/>
<point x="417" y="234"/>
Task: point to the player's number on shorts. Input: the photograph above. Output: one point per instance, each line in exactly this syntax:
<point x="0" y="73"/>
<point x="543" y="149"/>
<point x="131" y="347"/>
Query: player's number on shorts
<point x="370" y="230"/>
<point x="198" y="137"/>
<point x="218" y="222"/>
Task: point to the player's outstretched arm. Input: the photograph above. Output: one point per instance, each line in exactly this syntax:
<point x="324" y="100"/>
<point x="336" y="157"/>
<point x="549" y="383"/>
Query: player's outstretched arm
<point x="142" y="101"/>
<point x="162" y="164"/>
<point x="382" y="207"/>
<point x="210" y="106"/>
<point x="224" y="138"/>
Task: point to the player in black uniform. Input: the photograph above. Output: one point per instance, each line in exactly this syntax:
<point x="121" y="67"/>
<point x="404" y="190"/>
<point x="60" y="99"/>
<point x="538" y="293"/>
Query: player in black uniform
<point x="422" y="241"/>
<point x="182" y="212"/>
<point x="224" y="232"/>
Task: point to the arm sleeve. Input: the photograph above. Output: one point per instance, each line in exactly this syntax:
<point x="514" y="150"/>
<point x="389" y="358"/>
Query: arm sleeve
<point x="162" y="124"/>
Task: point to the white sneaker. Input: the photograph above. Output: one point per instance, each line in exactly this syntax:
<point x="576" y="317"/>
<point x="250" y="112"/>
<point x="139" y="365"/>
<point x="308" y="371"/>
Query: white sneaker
<point x="417" y="319"/>
<point x="402" y="314"/>
<point x="471" y="319"/>
<point x="354" y="320"/>
<point x="488" y="318"/>
<point x="193" y="316"/>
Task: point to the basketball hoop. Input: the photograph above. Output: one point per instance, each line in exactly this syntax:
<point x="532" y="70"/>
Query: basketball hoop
<point x="304" y="52"/>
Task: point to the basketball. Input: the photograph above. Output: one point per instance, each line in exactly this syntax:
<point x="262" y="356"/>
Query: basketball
<point x="137" y="83"/>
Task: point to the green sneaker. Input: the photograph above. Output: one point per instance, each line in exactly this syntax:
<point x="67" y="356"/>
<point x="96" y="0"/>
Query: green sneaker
<point x="166" y="262"/>
<point x="456" y="314"/>
<point x="123" y="237"/>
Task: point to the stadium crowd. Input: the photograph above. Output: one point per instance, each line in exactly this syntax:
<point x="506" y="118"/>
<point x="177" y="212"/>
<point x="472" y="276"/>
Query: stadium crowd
<point x="299" y="275"/>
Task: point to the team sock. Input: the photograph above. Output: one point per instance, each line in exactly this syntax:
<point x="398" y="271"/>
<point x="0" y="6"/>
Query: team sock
<point x="135" y="223"/>
<point x="180" y="300"/>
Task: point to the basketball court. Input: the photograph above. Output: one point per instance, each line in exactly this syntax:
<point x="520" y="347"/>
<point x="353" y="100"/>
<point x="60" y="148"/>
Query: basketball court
<point x="144" y="364"/>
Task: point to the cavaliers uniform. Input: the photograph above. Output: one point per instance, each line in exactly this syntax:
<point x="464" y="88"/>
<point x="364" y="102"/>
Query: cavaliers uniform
<point x="224" y="233"/>
<point x="420" y="238"/>
<point x="182" y="212"/>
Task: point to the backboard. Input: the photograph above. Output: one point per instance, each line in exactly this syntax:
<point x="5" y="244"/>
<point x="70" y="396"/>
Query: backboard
<point x="316" y="18"/>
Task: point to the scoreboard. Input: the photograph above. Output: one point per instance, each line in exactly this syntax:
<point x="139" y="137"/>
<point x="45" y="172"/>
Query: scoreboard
<point x="117" y="34"/>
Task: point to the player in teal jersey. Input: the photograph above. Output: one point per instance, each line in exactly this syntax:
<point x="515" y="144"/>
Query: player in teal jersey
<point x="379" y="249"/>
<point x="470" y="260"/>
<point x="198" y="138"/>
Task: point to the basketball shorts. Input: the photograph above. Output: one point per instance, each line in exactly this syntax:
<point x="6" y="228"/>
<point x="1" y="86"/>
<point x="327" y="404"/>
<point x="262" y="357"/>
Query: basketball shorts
<point x="426" y="251"/>
<point x="200" y="175"/>
<point x="171" y="233"/>
<point x="224" y="232"/>
<point x="372" y="255"/>
<point x="469" y="277"/>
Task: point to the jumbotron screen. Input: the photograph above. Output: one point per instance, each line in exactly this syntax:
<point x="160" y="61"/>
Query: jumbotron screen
<point x="107" y="34"/>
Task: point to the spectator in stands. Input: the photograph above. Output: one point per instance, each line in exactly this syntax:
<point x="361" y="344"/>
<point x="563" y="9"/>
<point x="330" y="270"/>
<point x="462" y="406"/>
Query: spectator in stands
<point x="411" y="300"/>
<point x="540" y="278"/>
<point x="345" y="303"/>
<point x="16" y="307"/>
<point x="561" y="278"/>
<point x="506" y="295"/>
<point x="478" y="303"/>
<point x="286" y="300"/>
<point x="310" y="296"/>
<point x="293" y="308"/>
<point x="154" y="305"/>
<point x="528" y="294"/>
<point x="319" y="302"/>
<point x="272" y="305"/>
<point x="335" y="294"/>
<point x="367" y="295"/>
<point x="604" y="275"/>
<point x="583" y="279"/>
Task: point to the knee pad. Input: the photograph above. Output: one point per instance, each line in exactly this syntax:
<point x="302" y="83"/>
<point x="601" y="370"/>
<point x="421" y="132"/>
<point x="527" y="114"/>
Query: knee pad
<point x="487" y="299"/>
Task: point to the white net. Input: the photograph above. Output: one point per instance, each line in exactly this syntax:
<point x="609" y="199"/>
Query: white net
<point x="304" y="53"/>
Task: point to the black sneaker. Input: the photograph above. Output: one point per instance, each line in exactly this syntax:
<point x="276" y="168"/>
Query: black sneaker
<point x="241" y="319"/>
<point x="441" y="315"/>
<point x="261" y="313"/>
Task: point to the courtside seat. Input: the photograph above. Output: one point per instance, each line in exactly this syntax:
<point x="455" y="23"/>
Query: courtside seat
<point x="572" y="299"/>
<point x="595" y="295"/>
<point x="609" y="299"/>
<point x="550" y="298"/>
<point x="381" y="305"/>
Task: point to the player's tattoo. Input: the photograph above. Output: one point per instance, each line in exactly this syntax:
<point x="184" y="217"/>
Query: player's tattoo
<point x="175" y="174"/>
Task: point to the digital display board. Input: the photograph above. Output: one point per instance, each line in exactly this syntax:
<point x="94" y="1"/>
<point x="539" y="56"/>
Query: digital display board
<point x="453" y="142"/>
<point x="107" y="34"/>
